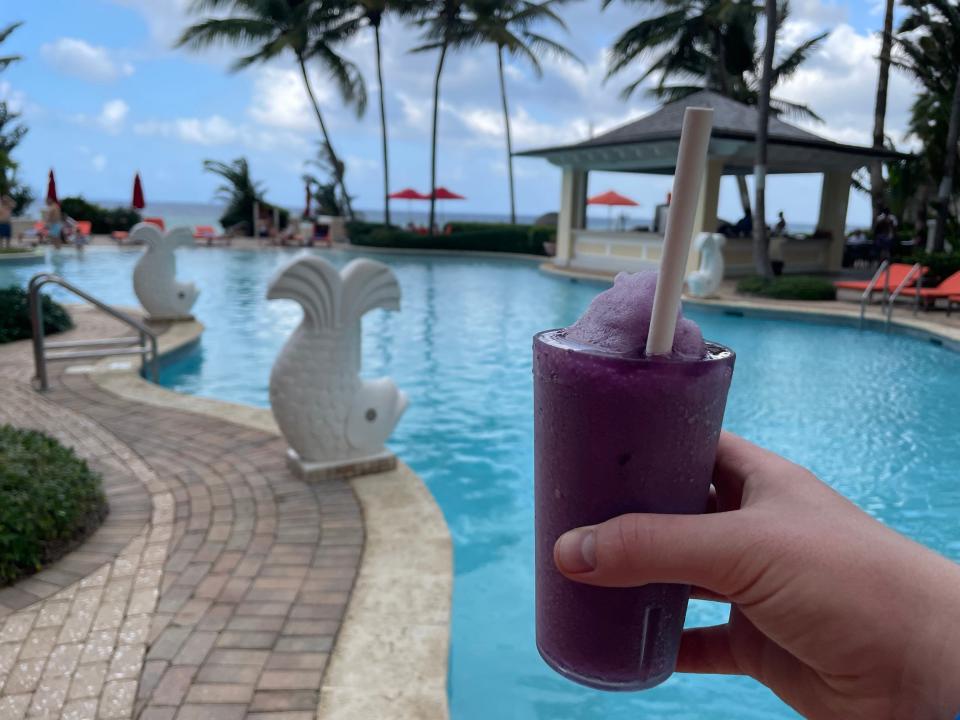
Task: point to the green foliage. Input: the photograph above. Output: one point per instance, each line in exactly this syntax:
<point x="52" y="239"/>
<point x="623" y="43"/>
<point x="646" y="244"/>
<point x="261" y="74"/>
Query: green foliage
<point x="15" y="315"/>
<point x="788" y="287"/>
<point x="240" y="191"/>
<point x="103" y="220"/>
<point x="11" y="133"/>
<point x="481" y="238"/>
<point x="941" y="265"/>
<point x="50" y="500"/>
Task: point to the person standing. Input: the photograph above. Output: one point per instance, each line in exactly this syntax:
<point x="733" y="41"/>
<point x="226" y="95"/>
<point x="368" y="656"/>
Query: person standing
<point x="884" y="232"/>
<point x="53" y="217"/>
<point x="6" y="216"/>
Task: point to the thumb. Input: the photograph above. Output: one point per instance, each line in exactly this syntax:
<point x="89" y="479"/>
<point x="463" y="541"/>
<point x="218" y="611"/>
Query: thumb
<point x="636" y="549"/>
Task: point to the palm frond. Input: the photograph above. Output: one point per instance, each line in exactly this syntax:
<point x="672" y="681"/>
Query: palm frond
<point x="793" y="110"/>
<point x="797" y="57"/>
<point x="8" y="30"/>
<point x="226" y="31"/>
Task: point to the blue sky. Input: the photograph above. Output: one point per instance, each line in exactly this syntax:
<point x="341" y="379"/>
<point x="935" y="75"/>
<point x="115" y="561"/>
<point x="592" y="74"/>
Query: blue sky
<point x="105" y="94"/>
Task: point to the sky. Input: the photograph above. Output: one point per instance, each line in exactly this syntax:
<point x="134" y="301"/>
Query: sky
<point x="105" y="94"/>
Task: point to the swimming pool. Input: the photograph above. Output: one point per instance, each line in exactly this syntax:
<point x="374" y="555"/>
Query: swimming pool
<point x="873" y="415"/>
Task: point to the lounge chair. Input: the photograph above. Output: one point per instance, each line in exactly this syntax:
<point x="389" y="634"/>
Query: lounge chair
<point x="898" y="271"/>
<point x="156" y="221"/>
<point x="81" y="231"/>
<point x="119" y="236"/>
<point x="943" y="291"/>
<point x="208" y="233"/>
<point x="950" y="302"/>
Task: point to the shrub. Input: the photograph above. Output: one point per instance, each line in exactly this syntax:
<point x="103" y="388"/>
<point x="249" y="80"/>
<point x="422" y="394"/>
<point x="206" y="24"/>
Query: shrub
<point x="50" y="501"/>
<point x="15" y="315"/>
<point x="103" y="220"/>
<point x="942" y="265"/>
<point x="788" y="287"/>
<point x="489" y="238"/>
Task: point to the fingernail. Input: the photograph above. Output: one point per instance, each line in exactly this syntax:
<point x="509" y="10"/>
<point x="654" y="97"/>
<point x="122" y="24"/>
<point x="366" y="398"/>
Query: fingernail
<point x="576" y="551"/>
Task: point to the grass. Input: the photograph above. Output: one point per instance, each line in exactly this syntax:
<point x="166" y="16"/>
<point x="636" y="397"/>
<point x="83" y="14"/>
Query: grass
<point x="50" y="500"/>
<point x="788" y="287"/>
<point x="15" y="316"/>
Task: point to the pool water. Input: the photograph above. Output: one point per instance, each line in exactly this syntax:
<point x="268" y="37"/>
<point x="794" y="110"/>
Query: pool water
<point x="873" y="415"/>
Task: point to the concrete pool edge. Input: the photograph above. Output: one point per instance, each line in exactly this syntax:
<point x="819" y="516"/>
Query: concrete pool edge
<point x="831" y="312"/>
<point x="391" y="655"/>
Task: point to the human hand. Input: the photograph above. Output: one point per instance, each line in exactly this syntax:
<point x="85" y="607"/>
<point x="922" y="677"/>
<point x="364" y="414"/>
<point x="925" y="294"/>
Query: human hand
<point x="837" y="614"/>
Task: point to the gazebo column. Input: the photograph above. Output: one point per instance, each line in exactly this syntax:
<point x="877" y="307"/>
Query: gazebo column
<point x="834" y="198"/>
<point x="707" y="207"/>
<point x="573" y="204"/>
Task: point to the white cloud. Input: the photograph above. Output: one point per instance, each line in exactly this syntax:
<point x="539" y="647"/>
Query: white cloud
<point x="14" y="99"/>
<point x="98" y="162"/>
<point x="280" y="100"/>
<point x="218" y="130"/>
<point x="78" y="58"/>
<point x="165" y="19"/>
<point x="113" y="115"/>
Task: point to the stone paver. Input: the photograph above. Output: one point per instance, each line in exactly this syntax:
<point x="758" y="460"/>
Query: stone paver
<point x="215" y="589"/>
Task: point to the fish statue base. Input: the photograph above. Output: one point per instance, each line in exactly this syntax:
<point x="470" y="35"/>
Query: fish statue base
<point x="313" y="472"/>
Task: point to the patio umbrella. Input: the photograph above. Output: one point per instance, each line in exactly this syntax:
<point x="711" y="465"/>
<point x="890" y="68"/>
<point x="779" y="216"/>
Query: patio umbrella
<point x="138" y="202"/>
<point x="611" y="199"/>
<point x="408" y="194"/>
<point x="441" y="193"/>
<point x="52" y="189"/>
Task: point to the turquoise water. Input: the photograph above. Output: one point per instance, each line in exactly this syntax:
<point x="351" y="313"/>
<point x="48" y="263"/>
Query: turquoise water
<point x="873" y="415"/>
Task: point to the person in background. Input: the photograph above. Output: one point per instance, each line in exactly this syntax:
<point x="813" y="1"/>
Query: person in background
<point x="780" y="229"/>
<point x="884" y="231"/>
<point x="53" y="218"/>
<point x="6" y="215"/>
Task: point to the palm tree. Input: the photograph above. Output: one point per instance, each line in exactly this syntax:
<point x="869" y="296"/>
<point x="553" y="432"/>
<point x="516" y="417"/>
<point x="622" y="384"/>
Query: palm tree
<point x="708" y="44"/>
<point x="239" y="192"/>
<point x="6" y="32"/>
<point x="443" y="26"/>
<point x="11" y="133"/>
<point x="929" y="45"/>
<point x="877" y="189"/>
<point x="761" y="259"/>
<point x="507" y="25"/>
<point x="270" y="28"/>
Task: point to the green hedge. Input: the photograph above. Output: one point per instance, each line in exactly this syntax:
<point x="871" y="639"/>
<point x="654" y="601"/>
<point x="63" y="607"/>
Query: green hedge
<point x="942" y="265"/>
<point x="103" y="220"/>
<point x="788" y="287"/>
<point x="50" y="500"/>
<point x="480" y="237"/>
<point x="15" y="315"/>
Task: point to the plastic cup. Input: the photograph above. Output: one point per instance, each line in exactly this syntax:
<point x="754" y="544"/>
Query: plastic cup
<point x="613" y="435"/>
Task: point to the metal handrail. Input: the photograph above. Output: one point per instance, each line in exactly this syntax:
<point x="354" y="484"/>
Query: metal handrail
<point x="146" y="337"/>
<point x="914" y="271"/>
<point x="865" y="298"/>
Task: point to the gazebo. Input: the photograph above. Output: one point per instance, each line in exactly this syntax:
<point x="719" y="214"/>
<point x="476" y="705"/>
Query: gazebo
<point x="649" y="145"/>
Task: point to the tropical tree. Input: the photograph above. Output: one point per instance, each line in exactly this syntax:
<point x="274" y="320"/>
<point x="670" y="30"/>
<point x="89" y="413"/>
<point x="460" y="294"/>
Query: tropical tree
<point x="239" y="191"/>
<point x="322" y="184"/>
<point x="11" y="133"/>
<point x="929" y="47"/>
<point x="267" y="29"/>
<point x="877" y="188"/>
<point x="509" y="26"/>
<point x="444" y="26"/>
<point x="761" y="259"/>
<point x="708" y="44"/>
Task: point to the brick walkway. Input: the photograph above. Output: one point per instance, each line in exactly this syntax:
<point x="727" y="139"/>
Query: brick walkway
<point x="226" y="601"/>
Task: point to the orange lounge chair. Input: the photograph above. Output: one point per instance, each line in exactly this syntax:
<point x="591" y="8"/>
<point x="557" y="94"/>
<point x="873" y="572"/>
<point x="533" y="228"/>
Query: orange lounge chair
<point x="84" y="228"/>
<point x="898" y="271"/>
<point x="204" y="232"/>
<point x="119" y="236"/>
<point x="156" y="221"/>
<point x="943" y="291"/>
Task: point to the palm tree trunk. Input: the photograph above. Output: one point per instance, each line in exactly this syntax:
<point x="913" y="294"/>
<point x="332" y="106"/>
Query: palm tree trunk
<point x="949" y="167"/>
<point x="877" y="189"/>
<point x="337" y="165"/>
<point x="723" y="84"/>
<point x="506" y="124"/>
<point x="433" y="137"/>
<point x="383" y="129"/>
<point x="761" y="258"/>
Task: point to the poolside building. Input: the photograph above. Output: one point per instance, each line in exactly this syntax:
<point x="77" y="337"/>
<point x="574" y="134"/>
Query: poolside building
<point x="650" y="144"/>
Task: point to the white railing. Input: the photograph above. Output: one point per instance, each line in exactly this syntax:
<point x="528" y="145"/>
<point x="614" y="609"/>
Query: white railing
<point x="614" y="251"/>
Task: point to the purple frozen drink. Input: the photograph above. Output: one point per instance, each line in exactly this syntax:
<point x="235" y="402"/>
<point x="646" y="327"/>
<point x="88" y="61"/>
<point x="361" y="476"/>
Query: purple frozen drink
<point x="617" y="432"/>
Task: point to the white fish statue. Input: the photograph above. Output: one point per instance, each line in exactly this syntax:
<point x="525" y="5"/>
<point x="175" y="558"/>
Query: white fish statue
<point x="327" y="413"/>
<point x="706" y="281"/>
<point x="155" y="275"/>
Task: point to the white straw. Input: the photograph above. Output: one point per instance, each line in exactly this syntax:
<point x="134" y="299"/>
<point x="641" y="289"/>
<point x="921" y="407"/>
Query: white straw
<point x="691" y="164"/>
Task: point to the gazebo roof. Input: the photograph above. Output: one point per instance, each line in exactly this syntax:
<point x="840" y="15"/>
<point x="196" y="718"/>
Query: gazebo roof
<point x="649" y="145"/>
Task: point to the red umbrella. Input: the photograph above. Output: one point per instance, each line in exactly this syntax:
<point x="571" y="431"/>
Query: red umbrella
<point x="52" y="189"/>
<point x="138" y="202"/>
<point x="611" y="198"/>
<point x="441" y="193"/>
<point x="408" y="194"/>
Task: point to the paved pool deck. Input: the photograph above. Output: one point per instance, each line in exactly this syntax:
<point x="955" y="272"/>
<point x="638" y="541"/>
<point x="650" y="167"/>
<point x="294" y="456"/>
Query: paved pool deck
<point x="220" y="586"/>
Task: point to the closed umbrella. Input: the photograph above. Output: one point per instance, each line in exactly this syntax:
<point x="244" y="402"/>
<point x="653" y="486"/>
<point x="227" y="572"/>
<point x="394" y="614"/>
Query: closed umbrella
<point x="611" y="199"/>
<point x="138" y="201"/>
<point x="52" y="189"/>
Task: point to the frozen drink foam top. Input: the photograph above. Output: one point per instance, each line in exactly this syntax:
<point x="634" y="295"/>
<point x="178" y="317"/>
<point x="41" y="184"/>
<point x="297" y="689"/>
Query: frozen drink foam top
<point x="618" y="320"/>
